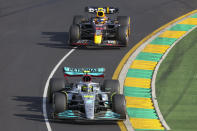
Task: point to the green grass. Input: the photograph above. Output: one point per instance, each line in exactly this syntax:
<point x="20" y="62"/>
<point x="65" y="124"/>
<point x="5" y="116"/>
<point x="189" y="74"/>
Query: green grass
<point x="176" y="85"/>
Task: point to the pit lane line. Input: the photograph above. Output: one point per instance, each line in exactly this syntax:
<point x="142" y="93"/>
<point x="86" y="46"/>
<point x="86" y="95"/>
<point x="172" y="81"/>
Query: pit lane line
<point x="47" y="85"/>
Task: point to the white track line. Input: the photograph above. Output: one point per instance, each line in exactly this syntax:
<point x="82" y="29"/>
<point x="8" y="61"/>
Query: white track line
<point x="46" y="89"/>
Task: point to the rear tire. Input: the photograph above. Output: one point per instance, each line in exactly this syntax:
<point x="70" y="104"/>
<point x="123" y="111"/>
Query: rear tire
<point x="119" y="105"/>
<point x="78" y="19"/>
<point x="59" y="102"/>
<point x="123" y="35"/>
<point x="74" y="33"/>
<point x="55" y="84"/>
<point x="111" y="86"/>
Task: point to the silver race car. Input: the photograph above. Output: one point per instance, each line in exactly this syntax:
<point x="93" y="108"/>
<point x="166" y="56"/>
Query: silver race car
<point x="85" y="99"/>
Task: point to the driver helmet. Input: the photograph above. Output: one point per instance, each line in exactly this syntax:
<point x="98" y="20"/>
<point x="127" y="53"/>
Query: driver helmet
<point x="86" y="78"/>
<point x="100" y="17"/>
<point x="100" y="14"/>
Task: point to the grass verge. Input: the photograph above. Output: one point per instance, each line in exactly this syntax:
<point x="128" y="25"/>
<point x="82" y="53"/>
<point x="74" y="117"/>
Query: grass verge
<point x="176" y="85"/>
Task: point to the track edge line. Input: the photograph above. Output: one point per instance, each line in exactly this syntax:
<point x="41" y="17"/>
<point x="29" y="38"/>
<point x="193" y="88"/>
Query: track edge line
<point x="46" y="89"/>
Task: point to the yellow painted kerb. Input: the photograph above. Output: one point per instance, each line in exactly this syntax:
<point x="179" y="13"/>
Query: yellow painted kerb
<point x="156" y="48"/>
<point x="137" y="82"/>
<point x="143" y="65"/>
<point x="137" y="102"/>
<point x="140" y="123"/>
<point x="172" y="34"/>
<point x="190" y="21"/>
<point x="125" y="58"/>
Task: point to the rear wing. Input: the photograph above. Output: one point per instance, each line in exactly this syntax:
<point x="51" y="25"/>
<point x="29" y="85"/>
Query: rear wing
<point x="107" y="10"/>
<point x="94" y="72"/>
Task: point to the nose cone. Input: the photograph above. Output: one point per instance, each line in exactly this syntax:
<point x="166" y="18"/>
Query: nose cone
<point x="97" y="39"/>
<point x="89" y="109"/>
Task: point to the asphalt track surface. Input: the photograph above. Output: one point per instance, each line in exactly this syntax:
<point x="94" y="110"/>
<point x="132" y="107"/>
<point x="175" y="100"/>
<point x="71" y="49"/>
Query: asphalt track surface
<point x="33" y="35"/>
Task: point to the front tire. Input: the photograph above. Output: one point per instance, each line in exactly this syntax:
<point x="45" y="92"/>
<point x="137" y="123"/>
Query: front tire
<point x="74" y="33"/>
<point x="124" y="21"/>
<point x="119" y="105"/>
<point x="123" y="35"/>
<point x="55" y="84"/>
<point x="78" y="19"/>
<point x="59" y="102"/>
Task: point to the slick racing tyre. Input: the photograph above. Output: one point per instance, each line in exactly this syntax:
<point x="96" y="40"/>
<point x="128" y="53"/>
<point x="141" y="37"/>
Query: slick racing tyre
<point x="78" y="19"/>
<point x="111" y="86"/>
<point x="74" y="33"/>
<point x="124" y="21"/>
<point x="119" y="104"/>
<point x="123" y="35"/>
<point x="59" y="102"/>
<point x="55" y="84"/>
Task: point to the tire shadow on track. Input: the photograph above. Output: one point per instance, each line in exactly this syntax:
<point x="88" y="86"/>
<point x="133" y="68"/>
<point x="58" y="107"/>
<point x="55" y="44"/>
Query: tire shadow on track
<point x="82" y="122"/>
<point x="60" y="40"/>
<point x="31" y="109"/>
<point x="57" y="40"/>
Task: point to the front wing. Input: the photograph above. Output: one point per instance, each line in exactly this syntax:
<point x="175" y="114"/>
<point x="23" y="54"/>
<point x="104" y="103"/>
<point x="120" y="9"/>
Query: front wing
<point x="109" y="43"/>
<point x="77" y="115"/>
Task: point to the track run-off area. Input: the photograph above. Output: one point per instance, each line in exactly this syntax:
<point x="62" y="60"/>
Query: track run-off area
<point x="33" y="38"/>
